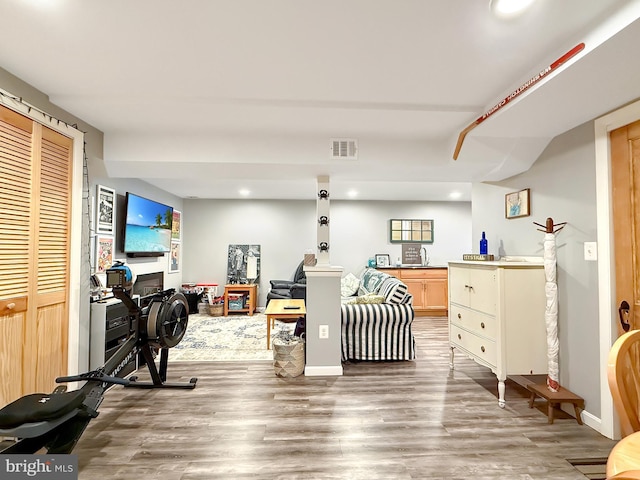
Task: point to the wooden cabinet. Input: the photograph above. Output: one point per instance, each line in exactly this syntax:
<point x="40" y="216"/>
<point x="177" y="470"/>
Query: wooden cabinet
<point x="496" y="317"/>
<point x="429" y="287"/>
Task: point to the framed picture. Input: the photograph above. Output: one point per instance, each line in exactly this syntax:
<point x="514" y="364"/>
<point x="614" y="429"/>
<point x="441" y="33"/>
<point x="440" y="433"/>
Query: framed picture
<point x="517" y="204"/>
<point x="104" y="253"/>
<point x="105" y="213"/>
<point x="382" y="260"/>
<point x="176" y="227"/>
<point x="174" y="258"/>
<point x="243" y="264"/>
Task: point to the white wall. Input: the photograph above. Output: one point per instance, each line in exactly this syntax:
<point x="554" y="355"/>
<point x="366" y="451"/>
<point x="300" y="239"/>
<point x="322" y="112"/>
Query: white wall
<point x="285" y="229"/>
<point x="563" y="187"/>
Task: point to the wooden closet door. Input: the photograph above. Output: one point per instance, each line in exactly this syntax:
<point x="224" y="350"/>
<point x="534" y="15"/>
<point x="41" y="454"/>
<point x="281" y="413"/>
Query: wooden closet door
<point x="15" y="233"/>
<point x="35" y="174"/>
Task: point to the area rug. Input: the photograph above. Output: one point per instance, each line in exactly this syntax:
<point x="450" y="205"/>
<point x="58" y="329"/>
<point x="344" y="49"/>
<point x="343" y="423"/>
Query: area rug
<point x="231" y="338"/>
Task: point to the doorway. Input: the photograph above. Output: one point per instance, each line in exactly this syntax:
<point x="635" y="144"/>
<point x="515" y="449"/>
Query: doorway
<point x="608" y="307"/>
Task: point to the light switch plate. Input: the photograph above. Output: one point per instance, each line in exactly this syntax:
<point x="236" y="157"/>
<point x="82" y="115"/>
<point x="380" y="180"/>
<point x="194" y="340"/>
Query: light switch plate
<point x="590" y="251"/>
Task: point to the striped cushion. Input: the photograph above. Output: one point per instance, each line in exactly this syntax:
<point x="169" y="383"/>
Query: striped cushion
<point x="394" y="291"/>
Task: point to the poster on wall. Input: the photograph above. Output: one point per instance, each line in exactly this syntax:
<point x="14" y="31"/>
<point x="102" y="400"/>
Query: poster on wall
<point x="174" y="258"/>
<point x="243" y="264"/>
<point x="104" y="253"/>
<point x="176" y="226"/>
<point x="105" y="213"/>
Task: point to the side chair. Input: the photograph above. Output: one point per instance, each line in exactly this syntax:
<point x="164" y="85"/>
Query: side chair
<point x="623" y="374"/>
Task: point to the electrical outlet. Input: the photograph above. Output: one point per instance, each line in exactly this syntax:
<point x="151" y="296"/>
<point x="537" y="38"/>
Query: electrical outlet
<point x="324" y="331"/>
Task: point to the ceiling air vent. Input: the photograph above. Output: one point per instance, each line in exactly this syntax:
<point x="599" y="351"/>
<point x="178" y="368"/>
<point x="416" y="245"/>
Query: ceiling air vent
<point x="344" y="148"/>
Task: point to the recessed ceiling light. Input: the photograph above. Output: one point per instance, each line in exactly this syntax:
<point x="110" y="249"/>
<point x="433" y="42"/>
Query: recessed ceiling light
<point x="455" y="195"/>
<point x="508" y="8"/>
<point x="245" y="192"/>
<point x="352" y="193"/>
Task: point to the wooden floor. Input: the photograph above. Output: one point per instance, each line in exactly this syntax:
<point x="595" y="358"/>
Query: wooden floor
<point x="404" y="420"/>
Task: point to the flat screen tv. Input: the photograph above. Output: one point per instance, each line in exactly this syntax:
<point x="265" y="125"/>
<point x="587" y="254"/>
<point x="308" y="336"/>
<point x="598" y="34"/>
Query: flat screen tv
<point x="147" y="231"/>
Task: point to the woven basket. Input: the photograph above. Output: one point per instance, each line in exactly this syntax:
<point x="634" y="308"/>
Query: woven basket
<point x="216" y="309"/>
<point x="288" y="358"/>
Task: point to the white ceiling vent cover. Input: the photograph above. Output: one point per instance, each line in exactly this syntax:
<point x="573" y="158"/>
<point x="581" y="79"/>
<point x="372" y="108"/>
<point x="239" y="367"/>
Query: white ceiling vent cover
<point x="344" y="148"/>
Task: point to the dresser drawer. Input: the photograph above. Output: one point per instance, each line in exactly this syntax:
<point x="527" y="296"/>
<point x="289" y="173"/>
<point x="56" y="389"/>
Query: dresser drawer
<point x="482" y="349"/>
<point x="477" y="322"/>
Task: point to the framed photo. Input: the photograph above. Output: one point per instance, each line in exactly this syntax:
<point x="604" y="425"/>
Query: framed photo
<point x="105" y="211"/>
<point x="174" y="258"/>
<point x="382" y="260"/>
<point x="517" y="204"/>
<point x="104" y="253"/>
<point x="176" y="226"/>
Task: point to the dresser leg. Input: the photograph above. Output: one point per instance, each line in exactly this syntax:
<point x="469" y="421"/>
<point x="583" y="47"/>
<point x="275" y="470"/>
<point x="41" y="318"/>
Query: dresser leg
<point x="501" y="388"/>
<point x="451" y="358"/>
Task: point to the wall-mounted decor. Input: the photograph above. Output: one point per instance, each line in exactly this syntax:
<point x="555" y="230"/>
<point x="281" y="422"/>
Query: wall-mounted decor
<point x="243" y="264"/>
<point x="517" y="204"/>
<point x="105" y="213"/>
<point x="410" y="231"/>
<point x="176" y="226"/>
<point x="382" y="260"/>
<point x="104" y="253"/>
<point x="174" y="258"/>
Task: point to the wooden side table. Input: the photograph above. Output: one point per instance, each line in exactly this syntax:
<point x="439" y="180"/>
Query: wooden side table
<point x="250" y="289"/>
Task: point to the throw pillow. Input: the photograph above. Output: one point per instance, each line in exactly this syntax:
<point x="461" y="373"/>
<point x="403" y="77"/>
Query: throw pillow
<point x="371" y="281"/>
<point x="367" y="299"/>
<point x="394" y="291"/>
<point x="349" y="285"/>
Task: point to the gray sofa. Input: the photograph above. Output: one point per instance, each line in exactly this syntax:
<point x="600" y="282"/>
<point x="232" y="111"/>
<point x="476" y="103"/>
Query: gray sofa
<point x="377" y="318"/>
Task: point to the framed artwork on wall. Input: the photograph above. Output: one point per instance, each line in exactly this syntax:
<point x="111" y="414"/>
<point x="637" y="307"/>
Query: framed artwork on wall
<point x="410" y="231"/>
<point x="104" y="253"/>
<point x="176" y="226"/>
<point x="105" y="211"/>
<point x="174" y="258"/>
<point x="517" y="204"/>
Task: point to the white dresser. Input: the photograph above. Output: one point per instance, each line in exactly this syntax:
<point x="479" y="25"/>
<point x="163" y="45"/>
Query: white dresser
<point x="496" y="316"/>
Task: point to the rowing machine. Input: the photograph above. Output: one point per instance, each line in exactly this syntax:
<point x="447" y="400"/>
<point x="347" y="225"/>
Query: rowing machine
<point x="57" y="420"/>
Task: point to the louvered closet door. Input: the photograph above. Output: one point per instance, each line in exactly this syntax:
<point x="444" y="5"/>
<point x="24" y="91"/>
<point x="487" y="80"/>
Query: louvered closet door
<point x="35" y="174"/>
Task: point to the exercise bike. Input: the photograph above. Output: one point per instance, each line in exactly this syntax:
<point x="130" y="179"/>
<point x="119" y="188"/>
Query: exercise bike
<point x="56" y="421"/>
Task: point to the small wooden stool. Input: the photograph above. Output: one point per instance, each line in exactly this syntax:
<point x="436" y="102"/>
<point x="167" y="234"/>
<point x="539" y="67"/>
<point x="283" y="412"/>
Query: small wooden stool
<point x="556" y="398"/>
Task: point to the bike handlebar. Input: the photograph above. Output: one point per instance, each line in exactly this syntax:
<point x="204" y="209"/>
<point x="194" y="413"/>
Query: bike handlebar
<point x="94" y="376"/>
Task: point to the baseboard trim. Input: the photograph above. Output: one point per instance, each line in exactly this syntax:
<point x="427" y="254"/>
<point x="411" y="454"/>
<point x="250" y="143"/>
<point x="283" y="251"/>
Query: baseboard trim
<point x="311" y="371"/>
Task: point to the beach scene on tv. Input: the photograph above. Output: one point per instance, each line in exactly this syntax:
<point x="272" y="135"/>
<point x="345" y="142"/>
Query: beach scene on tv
<point x="148" y="227"/>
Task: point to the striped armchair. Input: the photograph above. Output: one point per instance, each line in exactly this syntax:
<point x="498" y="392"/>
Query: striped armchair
<point x="378" y="331"/>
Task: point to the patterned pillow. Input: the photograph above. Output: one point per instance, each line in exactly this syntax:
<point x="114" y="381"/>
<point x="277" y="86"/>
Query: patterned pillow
<point x="349" y="285"/>
<point x="394" y="291"/>
<point x="371" y="281"/>
<point x="367" y="299"/>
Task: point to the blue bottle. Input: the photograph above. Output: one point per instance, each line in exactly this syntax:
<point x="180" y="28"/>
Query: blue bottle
<point x="483" y="245"/>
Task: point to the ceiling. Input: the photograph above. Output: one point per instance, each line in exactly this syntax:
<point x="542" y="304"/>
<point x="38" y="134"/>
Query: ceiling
<point x="204" y="97"/>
